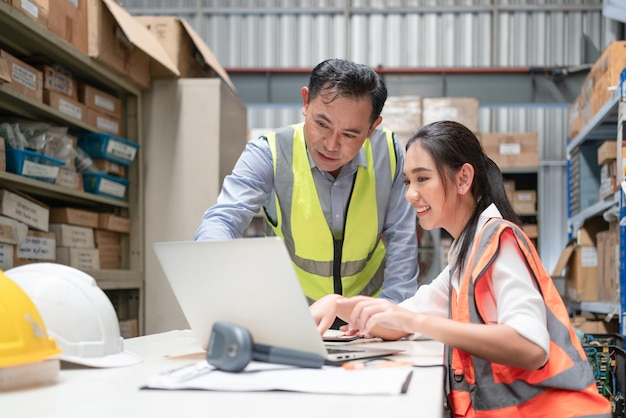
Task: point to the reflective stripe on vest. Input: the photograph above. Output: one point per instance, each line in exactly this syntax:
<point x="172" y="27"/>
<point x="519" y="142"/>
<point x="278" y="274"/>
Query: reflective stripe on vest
<point x="301" y="222"/>
<point x="480" y="388"/>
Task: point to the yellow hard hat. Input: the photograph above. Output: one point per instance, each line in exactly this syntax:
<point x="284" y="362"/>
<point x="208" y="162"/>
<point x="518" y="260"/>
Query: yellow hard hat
<point x="23" y="336"/>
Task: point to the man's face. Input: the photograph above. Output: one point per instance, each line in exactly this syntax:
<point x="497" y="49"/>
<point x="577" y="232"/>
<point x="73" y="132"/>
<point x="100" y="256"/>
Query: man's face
<point x="334" y="132"/>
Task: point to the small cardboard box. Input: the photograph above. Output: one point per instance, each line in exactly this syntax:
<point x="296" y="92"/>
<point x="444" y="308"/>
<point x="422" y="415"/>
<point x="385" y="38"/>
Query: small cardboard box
<point x="104" y="121"/>
<point x="607" y="151"/>
<point x="460" y="109"/>
<point x="58" y="81"/>
<point x="35" y="9"/>
<point x="188" y="51"/>
<point x="113" y="222"/>
<point x="98" y="100"/>
<point x="23" y="209"/>
<point x="65" y="105"/>
<point x="511" y="150"/>
<point x="7" y="255"/>
<point x="80" y="258"/>
<point x="12" y="231"/>
<point x="403" y="116"/>
<point x="582" y="271"/>
<point x="24" y="78"/>
<point x="73" y="236"/>
<point x="110" y="167"/>
<point x="68" y="19"/>
<point x="608" y="254"/>
<point x="38" y="246"/>
<point x="70" y="178"/>
<point x="104" y="237"/>
<point x="122" y="43"/>
<point x="110" y="256"/>
<point x="74" y="216"/>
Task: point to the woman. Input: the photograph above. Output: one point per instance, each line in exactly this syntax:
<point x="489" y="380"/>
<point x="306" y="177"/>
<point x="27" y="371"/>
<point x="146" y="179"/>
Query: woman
<point x="510" y="348"/>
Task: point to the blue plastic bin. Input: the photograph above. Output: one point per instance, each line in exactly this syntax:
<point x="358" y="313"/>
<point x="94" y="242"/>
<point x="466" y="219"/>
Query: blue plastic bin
<point x="105" y="185"/>
<point x="109" y="147"/>
<point x="33" y="165"/>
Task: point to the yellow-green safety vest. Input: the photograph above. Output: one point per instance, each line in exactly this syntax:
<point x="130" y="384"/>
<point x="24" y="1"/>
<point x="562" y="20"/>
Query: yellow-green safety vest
<point x="355" y="263"/>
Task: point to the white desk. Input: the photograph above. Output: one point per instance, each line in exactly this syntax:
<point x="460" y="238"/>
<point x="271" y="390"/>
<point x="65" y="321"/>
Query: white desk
<point x="116" y="393"/>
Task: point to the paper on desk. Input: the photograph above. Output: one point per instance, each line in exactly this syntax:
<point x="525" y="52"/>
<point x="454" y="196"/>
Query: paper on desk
<point x="267" y="377"/>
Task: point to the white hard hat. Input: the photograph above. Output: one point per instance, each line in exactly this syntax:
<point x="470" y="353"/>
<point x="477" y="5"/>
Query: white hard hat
<point x="77" y="313"/>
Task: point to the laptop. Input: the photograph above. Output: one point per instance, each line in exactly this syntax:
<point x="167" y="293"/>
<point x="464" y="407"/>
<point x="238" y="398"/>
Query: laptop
<point x="250" y="282"/>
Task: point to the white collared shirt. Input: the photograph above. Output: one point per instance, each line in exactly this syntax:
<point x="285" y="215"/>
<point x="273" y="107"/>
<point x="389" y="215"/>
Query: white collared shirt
<point x="515" y="301"/>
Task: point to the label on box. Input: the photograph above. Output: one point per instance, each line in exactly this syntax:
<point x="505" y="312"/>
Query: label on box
<point x="107" y="125"/>
<point x="451" y="113"/>
<point x="70" y="109"/>
<point x="32" y="169"/>
<point x="588" y="257"/>
<point x="24" y="210"/>
<point x="26" y="78"/>
<point x="104" y="103"/>
<point x="30" y="8"/>
<point x="112" y="188"/>
<point x="73" y="3"/>
<point x="35" y="248"/>
<point x="510" y="149"/>
<point x="121" y="150"/>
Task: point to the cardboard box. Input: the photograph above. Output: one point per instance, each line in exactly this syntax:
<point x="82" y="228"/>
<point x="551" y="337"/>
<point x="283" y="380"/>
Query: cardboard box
<point x="35" y="9"/>
<point x="7" y="255"/>
<point x="12" y="231"/>
<point x="593" y="325"/>
<point x="65" y="105"/>
<point x="607" y="151"/>
<point x="23" y="209"/>
<point x="128" y="328"/>
<point x="460" y="109"/>
<point x="80" y="258"/>
<point x="511" y="150"/>
<point x="24" y="79"/>
<point x="188" y="51"/>
<point x="38" y="246"/>
<point x="58" y="81"/>
<point x="525" y="201"/>
<point x="73" y="236"/>
<point x="110" y="257"/>
<point x="122" y="43"/>
<point x="403" y="115"/>
<point x="104" y="122"/>
<point x="113" y="222"/>
<point x="582" y="272"/>
<point x="74" y="216"/>
<point x="608" y="254"/>
<point x="104" y="237"/>
<point x="70" y="178"/>
<point x="110" y="167"/>
<point x="608" y="180"/>
<point x="98" y="100"/>
<point x="68" y="19"/>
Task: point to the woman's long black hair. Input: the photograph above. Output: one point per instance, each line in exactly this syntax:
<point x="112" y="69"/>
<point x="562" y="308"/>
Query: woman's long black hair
<point x="451" y="144"/>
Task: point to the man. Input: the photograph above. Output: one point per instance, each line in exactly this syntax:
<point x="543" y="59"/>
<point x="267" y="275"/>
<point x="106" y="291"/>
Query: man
<point x="332" y="188"/>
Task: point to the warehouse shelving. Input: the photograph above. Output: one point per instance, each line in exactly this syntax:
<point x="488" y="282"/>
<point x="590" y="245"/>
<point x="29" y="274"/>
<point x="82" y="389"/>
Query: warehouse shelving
<point x="605" y="124"/>
<point x="23" y="36"/>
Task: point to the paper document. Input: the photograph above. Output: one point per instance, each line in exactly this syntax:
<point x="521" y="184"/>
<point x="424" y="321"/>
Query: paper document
<point x="267" y="377"/>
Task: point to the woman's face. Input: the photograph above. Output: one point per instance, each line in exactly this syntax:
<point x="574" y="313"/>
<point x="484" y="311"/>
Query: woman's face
<point x="426" y="192"/>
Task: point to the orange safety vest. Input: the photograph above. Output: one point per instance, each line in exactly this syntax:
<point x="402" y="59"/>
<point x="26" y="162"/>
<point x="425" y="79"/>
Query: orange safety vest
<point x="564" y="387"/>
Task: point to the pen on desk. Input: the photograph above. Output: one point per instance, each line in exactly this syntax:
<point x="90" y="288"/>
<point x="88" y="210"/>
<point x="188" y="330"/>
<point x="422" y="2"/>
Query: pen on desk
<point x="376" y="364"/>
